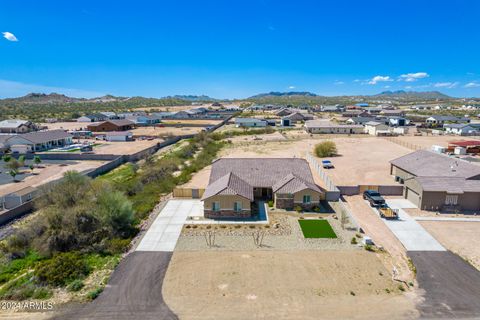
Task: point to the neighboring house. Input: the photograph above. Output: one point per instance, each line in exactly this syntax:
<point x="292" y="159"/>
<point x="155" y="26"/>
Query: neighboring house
<point x="250" y="122"/>
<point x="236" y="183"/>
<point x="439" y="121"/>
<point x="128" y="114"/>
<point x="92" y="118"/>
<point x="17" y="198"/>
<point x="322" y="126"/>
<point x="434" y="181"/>
<point x="372" y="110"/>
<point x="336" y="108"/>
<point x="144" y="120"/>
<point x="16" y="126"/>
<point x="111" y="125"/>
<point x="119" y="136"/>
<point x="163" y="115"/>
<point x="376" y="128"/>
<point x="392" y="113"/>
<point x="352" y="113"/>
<point x="395" y="121"/>
<point x="360" y="120"/>
<point x="298" y="116"/>
<point x="283" y="112"/>
<point x="110" y="115"/>
<point x="471" y="146"/>
<point x="41" y="140"/>
<point x="462" y="129"/>
<point x="362" y="105"/>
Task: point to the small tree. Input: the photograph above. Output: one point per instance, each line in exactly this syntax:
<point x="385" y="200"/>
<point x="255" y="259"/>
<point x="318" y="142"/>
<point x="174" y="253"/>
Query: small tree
<point x="325" y="149"/>
<point x="13" y="173"/>
<point x="7" y="158"/>
<point x="37" y="160"/>
<point x="31" y="167"/>
<point x="258" y="237"/>
<point x="21" y="160"/>
<point x="13" y="164"/>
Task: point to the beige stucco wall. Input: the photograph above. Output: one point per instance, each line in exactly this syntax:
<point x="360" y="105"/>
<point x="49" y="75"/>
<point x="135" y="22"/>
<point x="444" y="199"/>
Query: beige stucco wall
<point x="314" y="196"/>
<point x="226" y="202"/>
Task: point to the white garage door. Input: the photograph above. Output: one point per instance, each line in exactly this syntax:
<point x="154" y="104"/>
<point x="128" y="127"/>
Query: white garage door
<point x="413" y="197"/>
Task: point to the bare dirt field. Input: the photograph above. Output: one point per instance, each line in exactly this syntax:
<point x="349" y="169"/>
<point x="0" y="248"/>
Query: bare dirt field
<point x="50" y="170"/>
<point x="120" y="148"/>
<point x="206" y="122"/>
<point x="426" y="142"/>
<point x="381" y="235"/>
<point x="283" y="285"/>
<point x="67" y="125"/>
<point x="164" y="131"/>
<point x="461" y="238"/>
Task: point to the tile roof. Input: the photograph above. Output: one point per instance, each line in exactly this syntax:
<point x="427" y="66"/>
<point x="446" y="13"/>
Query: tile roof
<point x="449" y="185"/>
<point x="425" y="163"/>
<point x="292" y="184"/>
<point x="229" y="184"/>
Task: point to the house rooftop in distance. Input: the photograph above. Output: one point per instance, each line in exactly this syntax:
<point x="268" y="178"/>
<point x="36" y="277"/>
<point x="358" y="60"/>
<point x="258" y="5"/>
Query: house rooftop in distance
<point x="423" y="163"/>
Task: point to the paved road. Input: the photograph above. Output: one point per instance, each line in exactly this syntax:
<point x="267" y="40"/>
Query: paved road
<point x="452" y="286"/>
<point x="133" y="292"/>
<point x="166" y="228"/>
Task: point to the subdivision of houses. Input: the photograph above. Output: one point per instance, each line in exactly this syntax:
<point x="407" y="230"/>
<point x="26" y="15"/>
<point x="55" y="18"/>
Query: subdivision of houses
<point x="439" y="121"/>
<point x="462" y="129"/>
<point x="434" y="181"/>
<point x="236" y="184"/>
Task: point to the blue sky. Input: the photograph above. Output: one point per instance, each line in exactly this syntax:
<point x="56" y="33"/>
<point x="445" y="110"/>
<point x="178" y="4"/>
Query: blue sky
<point x="236" y="48"/>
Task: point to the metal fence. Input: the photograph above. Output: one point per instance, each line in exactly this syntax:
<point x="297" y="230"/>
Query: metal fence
<point x="405" y="144"/>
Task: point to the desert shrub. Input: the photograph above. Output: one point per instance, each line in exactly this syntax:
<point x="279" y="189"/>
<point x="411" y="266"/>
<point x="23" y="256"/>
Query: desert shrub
<point x="298" y="209"/>
<point x="118" y="245"/>
<point x="92" y="295"/>
<point x="369" y="247"/>
<point x="353" y="241"/>
<point x="270" y="203"/>
<point x="76" y="285"/>
<point x="61" y="269"/>
<point x="325" y="149"/>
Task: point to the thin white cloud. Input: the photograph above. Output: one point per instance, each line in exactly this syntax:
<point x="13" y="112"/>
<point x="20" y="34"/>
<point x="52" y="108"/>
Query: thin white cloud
<point x="408" y="87"/>
<point x="448" y="85"/>
<point x="357" y="80"/>
<point x="472" y="84"/>
<point x="11" y="89"/>
<point x="387" y="87"/>
<point x="291" y="87"/>
<point x="338" y="82"/>
<point x="377" y="79"/>
<point x="410" y="77"/>
<point x="9" y="36"/>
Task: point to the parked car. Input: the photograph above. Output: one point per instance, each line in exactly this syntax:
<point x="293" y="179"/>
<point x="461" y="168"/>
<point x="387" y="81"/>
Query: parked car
<point x="374" y="198"/>
<point x="327" y="164"/>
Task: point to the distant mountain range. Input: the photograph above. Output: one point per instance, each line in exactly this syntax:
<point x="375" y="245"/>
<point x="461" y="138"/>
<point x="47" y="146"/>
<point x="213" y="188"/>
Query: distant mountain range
<point x="295" y="97"/>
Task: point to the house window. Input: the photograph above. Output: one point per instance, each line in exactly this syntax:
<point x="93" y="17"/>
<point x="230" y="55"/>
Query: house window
<point x="306" y="198"/>
<point x="451" y="200"/>
<point x="216" y="206"/>
<point x="237" y="206"/>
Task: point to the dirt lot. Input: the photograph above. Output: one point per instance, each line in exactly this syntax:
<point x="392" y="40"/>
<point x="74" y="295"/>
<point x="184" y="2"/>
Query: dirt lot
<point x="427" y="141"/>
<point x="193" y="121"/>
<point x="268" y="285"/>
<point x="164" y="131"/>
<point x="51" y="170"/>
<point x="67" y="125"/>
<point x="461" y="238"/>
<point x="381" y="235"/>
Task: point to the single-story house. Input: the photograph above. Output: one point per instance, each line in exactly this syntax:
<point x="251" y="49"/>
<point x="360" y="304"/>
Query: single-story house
<point x="471" y="146"/>
<point x="360" y="120"/>
<point x="92" y="118"/>
<point x="17" y="198"/>
<point x="462" y="129"/>
<point x="336" y="108"/>
<point x="392" y="113"/>
<point x="396" y="121"/>
<point x="284" y="112"/>
<point x="298" y="116"/>
<point x="110" y="115"/>
<point x="119" y="136"/>
<point x="111" y="125"/>
<point x="144" y="120"/>
<point x="41" y="140"/>
<point x="434" y="181"/>
<point x="163" y="115"/>
<point x="237" y="183"/>
<point x="17" y="126"/>
<point x="250" y="122"/>
<point x="376" y="128"/>
<point x="325" y="126"/>
<point x="439" y="121"/>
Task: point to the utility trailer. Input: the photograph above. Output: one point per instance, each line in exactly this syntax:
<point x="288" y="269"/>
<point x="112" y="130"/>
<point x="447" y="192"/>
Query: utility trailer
<point x="388" y="213"/>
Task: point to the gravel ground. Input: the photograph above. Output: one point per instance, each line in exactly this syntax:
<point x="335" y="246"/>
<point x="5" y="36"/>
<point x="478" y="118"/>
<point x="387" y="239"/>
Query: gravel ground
<point x="288" y="236"/>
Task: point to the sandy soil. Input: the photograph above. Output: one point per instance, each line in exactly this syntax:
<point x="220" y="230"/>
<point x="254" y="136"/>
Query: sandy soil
<point x="67" y="125"/>
<point x="121" y="148"/>
<point x="48" y="173"/>
<point x="427" y="141"/>
<point x="364" y="161"/>
<point x="283" y="285"/>
<point x="381" y="235"/>
<point x="164" y="131"/>
<point x="461" y="238"/>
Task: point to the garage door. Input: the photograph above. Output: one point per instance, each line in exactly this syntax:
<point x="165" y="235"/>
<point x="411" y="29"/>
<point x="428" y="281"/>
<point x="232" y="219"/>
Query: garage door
<point x="413" y="197"/>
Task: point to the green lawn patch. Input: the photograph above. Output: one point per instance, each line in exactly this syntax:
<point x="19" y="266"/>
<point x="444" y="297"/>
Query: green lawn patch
<point x="317" y="229"/>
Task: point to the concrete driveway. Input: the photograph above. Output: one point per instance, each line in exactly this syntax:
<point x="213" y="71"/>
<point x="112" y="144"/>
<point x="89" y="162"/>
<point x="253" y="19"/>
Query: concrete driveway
<point x="164" y="232"/>
<point x="410" y="233"/>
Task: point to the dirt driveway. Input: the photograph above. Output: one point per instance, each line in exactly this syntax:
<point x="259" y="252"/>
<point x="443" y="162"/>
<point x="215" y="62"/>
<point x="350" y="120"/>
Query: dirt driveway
<point x="283" y="285"/>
